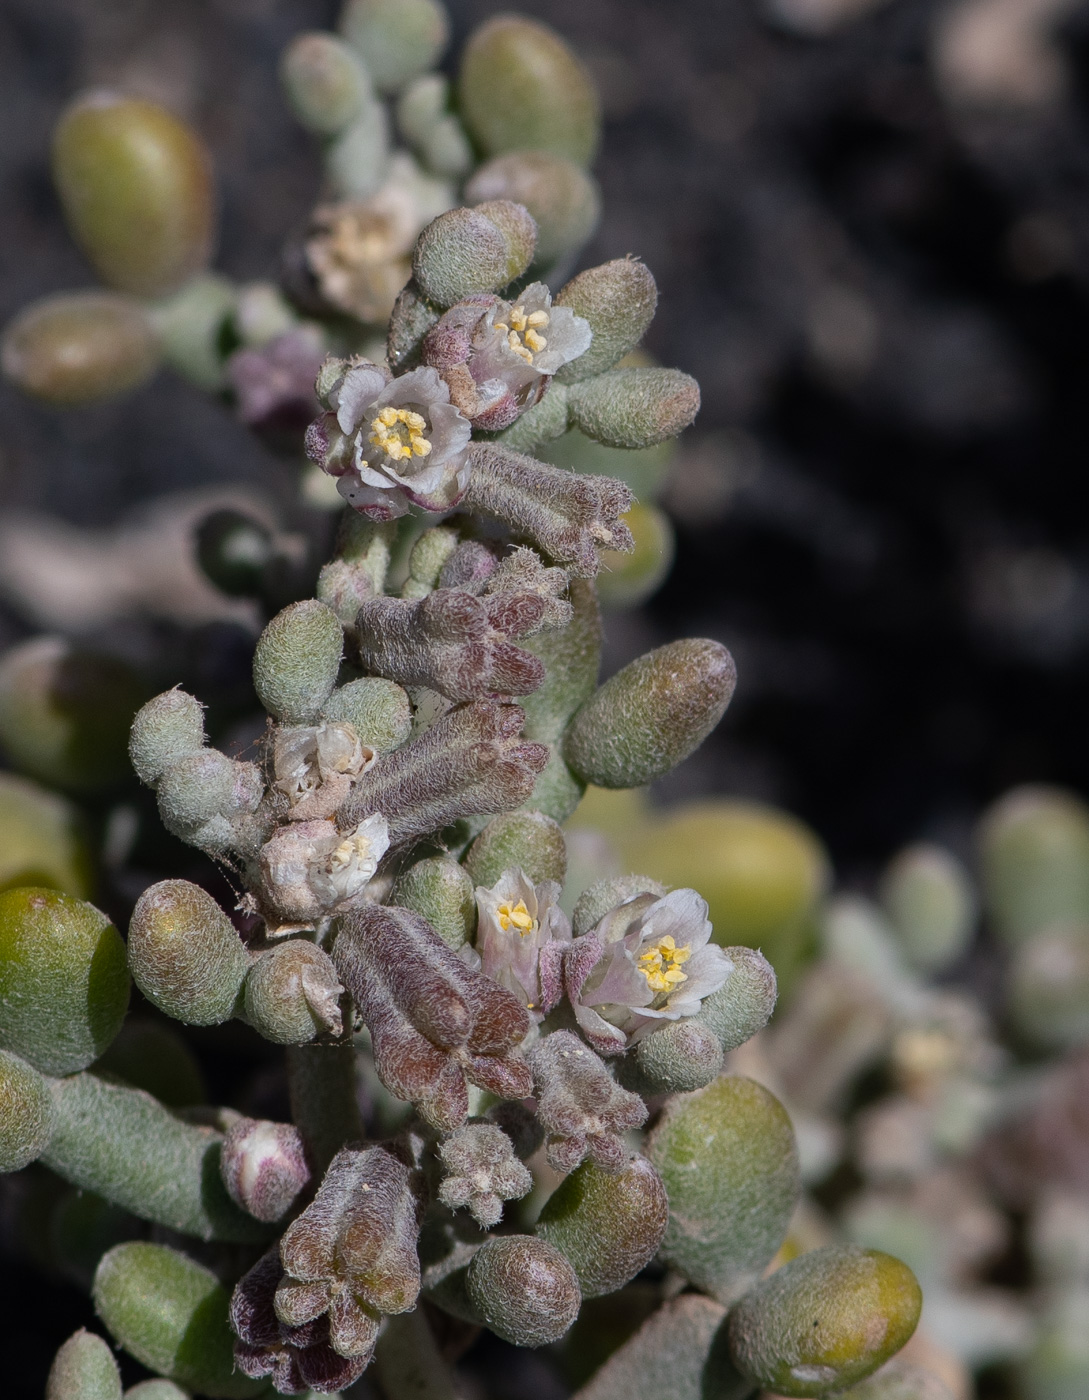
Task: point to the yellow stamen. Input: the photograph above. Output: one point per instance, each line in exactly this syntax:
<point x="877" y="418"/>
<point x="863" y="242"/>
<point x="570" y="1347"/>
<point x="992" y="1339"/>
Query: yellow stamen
<point x="523" y="333"/>
<point x="351" y="848"/>
<point x="399" y="433"/>
<point x="515" y="916"/>
<point x="660" y="964"/>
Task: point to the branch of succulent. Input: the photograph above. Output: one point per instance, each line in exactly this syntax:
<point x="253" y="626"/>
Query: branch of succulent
<point x="470" y="1076"/>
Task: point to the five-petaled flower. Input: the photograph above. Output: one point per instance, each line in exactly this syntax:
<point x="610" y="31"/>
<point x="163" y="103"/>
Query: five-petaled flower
<point x="521" y="937"/>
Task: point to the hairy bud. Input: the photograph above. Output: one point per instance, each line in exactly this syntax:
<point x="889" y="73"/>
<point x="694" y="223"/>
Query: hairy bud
<point x="164" y="731"/>
<point x="526" y="840"/>
<point x="562" y="198"/>
<point x="136" y="188"/>
<point x="453" y="642"/>
<point x="296" y="662"/>
<point x="79" y="348"/>
<point x="263" y="1166"/>
<point x="413" y="316"/>
<point x="396" y="38"/>
<point x="524" y="1289"/>
<point x="608" y="1224"/>
<point x="618" y="299"/>
<point x="83" y="1369"/>
<point x="825" y="1320"/>
<point x="730" y="1167"/>
<point x="743" y="1005"/>
<point x="378" y="710"/>
<point x="292" y="994"/>
<point x="473" y="250"/>
<point x="522" y="89"/>
<point x="433" y="1022"/>
<point x="64" y="986"/>
<point x="682" y="1056"/>
<point x="26" y="1113"/>
<point x="569" y="517"/>
<point x="171" y="1314"/>
<point x="583" y="1110"/>
<point x="185" y="954"/>
<point x="651" y="715"/>
<point x="440" y="891"/>
<point x="205" y="798"/>
<point x="634" y="407"/>
<point x="599" y="899"/>
<point x="480" y="1172"/>
<point x="325" y="82"/>
<point x="469" y="761"/>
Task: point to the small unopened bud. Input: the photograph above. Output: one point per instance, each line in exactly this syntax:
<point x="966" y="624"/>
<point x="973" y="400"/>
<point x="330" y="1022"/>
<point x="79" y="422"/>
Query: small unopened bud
<point x="79" y="348"/>
<point x="618" y="299"/>
<point x="825" y="1320"/>
<point x="524" y="839"/>
<point x="524" y="1289"/>
<point x="64" y="986"/>
<point x="185" y="954"/>
<point x="165" y="730"/>
<point x="744" y="1003"/>
<point x="325" y="82"/>
<point x="378" y="710"/>
<point x="204" y="798"/>
<point x="562" y="198"/>
<point x="263" y="1166"/>
<point x="26" y="1113"/>
<point x="682" y="1056"/>
<point x="293" y="994"/>
<point x="522" y="89"/>
<point x="633" y="407"/>
<point x="396" y="38"/>
<point x="594" y="903"/>
<point x="136" y="188"/>
<point x="441" y="891"/>
<point x="84" y="1369"/>
<point x="651" y="715"/>
<point x="481" y="1171"/>
<point x="473" y="250"/>
<point x="296" y="662"/>
<point x="413" y="316"/>
<point x="583" y="1110"/>
<point x="608" y="1224"/>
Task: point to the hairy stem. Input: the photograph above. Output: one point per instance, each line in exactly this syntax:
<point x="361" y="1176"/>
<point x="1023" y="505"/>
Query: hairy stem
<point x="321" y="1083"/>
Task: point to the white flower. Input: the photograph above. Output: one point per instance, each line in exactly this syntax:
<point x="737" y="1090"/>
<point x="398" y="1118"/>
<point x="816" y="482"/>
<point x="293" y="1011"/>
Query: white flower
<point x="314" y="766"/>
<point x="657" y="965"/>
<point x="311" y="870"/>
<point x="521" y="934"/>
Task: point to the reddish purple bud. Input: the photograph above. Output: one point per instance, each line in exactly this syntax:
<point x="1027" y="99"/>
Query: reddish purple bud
<point x="263" y="1166"/>
<point x="582" y="1108"/>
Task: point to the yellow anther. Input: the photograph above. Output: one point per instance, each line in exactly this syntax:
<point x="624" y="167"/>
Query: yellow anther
<point x="515" y="916"/>
<point x="399" y="433"/>
<point x="660" y="964"/>
<point x="352" y="848"/>
<point x="522" y="332"/>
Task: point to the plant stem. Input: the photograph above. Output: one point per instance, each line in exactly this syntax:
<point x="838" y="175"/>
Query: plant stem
<point x="408" y="1361"/>
<point x="321" y="1083"/>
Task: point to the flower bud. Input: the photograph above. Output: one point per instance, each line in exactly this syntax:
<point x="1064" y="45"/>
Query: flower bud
<point x="682" y="1056"/>
<point x="64" y="986"/>
<point x="296" y="662"/>
<point x="357" y="161"/>
<point x="931" y="904"/>
<point x="171" y="1314"/>
<point x="524" y="839"/>
<point x="626" y="580"/>
<point x="562" y="198"/>
<point x="325" y="82"/>
<point x="521" y="88"/>
<point x="651" y="715"/>
<point x="1048" y="987"/>
<point x="65" y="714"/>
<point x="41" y="839"/>
<point x="618" y="299"/>
<point x="594" y="903"/>
<point x="203" y="799"/>
<point x="185" y="954"/>
<point x="263" y="1166"/>
<point x="441" y="891"/>
<point x="743" y="1005"/>
<point x="608" y="1225"/>
<point x="26" y="1113"/>
<point x="136" y="188"/>
<point x="633" y="407"/>
<point x="79" y="348"/>
<point x="378" y="710"/>
<point x="524" y="1289"/>
<point x="412" y="317"/>
<point x="191" y="327"/>
<point x="83" y="1369"/>
<point x="581" y="1107"/>
<point x="730" y="1166"/>
<point x="480" y="1172"/>
<point x="164" y="731"/>
<point x="397" y="39"/>
<point x="293" y="994"/>
<point x="825" y="1320"/>
<point x="473" y="250"/>
<point x="1034" y="847"/>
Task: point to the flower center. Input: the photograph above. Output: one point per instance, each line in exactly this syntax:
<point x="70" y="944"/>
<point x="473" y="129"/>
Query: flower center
<point x="515" y="916"/>
<point x="661" y="964"/>
<point x="353" y="849"/>
<point x="524" y="332"/>
<point x="399" y="433"/>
